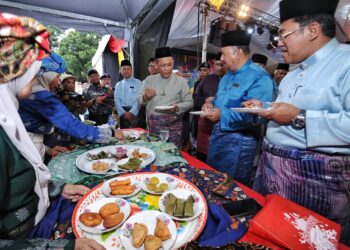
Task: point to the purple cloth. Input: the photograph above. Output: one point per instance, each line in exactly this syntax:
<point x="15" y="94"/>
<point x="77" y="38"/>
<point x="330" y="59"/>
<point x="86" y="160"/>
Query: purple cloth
<point x="316" y="181"/>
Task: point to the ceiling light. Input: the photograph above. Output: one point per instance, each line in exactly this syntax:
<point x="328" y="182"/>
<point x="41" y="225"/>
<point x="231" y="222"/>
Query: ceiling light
<point x="249" y="26"/>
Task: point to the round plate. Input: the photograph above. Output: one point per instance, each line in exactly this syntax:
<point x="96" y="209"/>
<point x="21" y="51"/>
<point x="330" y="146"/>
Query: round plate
<point x="95" y="207"/>
<point x="132" y="135"/>
<point x="198" y="205"/>
<point x="149" y="219"/>
<point x="163" y="107"/>
<point x="106" y="190"/>
<point x="88" y="167"/>
<point x="186" y="230"/>
<point x="83" y="161"/>
<point x="163" y="178"/>
<point x="249" y="110"/>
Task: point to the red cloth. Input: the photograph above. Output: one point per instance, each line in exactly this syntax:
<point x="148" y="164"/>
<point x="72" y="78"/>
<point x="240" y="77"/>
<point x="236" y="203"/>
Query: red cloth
<point x="115" y="44"/>
<point x="292" y="226"/>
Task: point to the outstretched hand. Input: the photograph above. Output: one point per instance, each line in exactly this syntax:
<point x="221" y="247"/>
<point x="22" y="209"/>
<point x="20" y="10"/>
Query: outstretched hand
<point x="74" y="192"/>
<point x="87" y="244"/>
<point x="281" y="112"/>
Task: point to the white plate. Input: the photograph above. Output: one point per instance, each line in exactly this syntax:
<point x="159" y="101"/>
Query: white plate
<point x="88" y="166"/>
<point x="163" y="107"/>
<point x="83" y="161"/>
<point x="106" y="190"/>
<point x="149" y="219"/>
<point x="249" y="110"/>
<point x="198" y="205"/>
<point x="95" y="207"/>
<point x="132" y="134"/>
<point x="163" y="178"/>
<point x="196" y="112"/>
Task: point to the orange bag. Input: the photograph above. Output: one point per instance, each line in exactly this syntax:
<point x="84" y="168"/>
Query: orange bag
<point x="292" y="226"/>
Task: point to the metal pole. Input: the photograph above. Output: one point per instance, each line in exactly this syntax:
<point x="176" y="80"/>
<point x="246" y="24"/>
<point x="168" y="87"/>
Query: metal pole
<point x="205" y="35"/>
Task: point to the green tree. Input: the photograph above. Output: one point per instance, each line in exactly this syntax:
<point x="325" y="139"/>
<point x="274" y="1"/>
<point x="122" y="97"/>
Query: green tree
<point x="77" y="49"/>
<point x="56" y="35"/>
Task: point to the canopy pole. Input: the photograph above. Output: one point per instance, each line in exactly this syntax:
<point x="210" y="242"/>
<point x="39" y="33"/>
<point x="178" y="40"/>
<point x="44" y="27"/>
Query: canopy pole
<point x="205" y="35"/>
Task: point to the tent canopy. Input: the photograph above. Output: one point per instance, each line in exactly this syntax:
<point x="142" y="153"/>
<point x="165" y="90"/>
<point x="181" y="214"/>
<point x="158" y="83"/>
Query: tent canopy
<point x="118" y="17"/>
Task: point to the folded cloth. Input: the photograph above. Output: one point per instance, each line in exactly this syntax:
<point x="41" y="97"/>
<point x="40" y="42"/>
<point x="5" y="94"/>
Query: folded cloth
<point x="292" y="226"/>
<point x="220" y="228"/>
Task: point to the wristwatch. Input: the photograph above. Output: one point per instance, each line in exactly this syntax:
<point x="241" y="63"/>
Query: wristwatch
<point x="298" y="122"/>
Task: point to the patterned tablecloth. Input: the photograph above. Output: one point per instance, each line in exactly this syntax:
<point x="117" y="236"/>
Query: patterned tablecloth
<point x="63" y="167"/>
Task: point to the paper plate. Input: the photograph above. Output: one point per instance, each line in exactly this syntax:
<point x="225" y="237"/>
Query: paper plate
<point x="95" y="207"/>
<point x="186" y="230"/>
<point x="149" y="219"/>
<point x="198" y="205"/>
<point x="83" y="162"/>
<point x="163" y="178"/>
<point x="249" y="110"/>
<point x="196" y="112"/>
<point x="106" y="190"/>
<point x="163" y="108"/>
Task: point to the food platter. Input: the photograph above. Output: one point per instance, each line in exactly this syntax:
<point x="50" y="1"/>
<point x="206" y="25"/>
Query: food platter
<point x="106" y="189"/>
<point x="198" y="205"/>
<point x="95" y="207"/>
<point x="147" y="218"/>
<point x="162" y="179"/>
<point x="143" y="201"/>
<point x="84" y="161"/>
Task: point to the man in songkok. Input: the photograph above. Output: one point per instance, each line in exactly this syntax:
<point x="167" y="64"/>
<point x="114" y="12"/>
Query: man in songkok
<point x="260" y="60"/>
<point x="306" y="153"/>
<point x="235" y="136"/>
<point x="125" y="96"/>
<point x="166" y="97"/>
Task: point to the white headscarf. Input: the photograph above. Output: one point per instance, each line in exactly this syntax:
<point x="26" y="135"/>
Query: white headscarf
<point x="13" y="126"/>
<point x="43" y="82"/>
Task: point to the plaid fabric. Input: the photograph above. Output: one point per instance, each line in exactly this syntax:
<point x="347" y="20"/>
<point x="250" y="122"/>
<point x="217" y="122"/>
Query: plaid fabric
<point x="316" y="181"/>
<point x="22" y="41"/>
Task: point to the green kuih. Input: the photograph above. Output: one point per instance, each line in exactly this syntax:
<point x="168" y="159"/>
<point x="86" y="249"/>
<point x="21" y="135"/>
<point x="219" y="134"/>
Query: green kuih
<point x="170" y="203"/>
<point x="189" y="207"/>
<point x="180" y="207"/>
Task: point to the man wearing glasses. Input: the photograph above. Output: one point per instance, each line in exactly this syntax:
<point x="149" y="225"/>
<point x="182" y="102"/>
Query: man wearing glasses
<point x="306" y="153"/>
<point x="152" y="66"/>
<point x="234" y="139"/>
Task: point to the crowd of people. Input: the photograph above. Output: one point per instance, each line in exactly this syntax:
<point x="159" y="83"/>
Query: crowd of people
<point x="301" y="136"/>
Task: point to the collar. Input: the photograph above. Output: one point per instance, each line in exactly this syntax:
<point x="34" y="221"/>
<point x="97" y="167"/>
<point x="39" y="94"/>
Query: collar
<point x="129" y="79"/>
<point x="242" y="68"/>
<point x="320" y="54"/>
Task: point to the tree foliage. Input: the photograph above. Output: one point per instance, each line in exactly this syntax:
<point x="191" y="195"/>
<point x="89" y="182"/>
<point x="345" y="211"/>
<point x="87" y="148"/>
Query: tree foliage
<point x="56" y="35"/>
<point x="77" y="49"/>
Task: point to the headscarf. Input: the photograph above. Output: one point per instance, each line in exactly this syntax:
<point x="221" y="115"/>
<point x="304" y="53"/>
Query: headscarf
<point x="23" y="40"/>
<point x="43" y="81"/>
<point x="13" y="126"/>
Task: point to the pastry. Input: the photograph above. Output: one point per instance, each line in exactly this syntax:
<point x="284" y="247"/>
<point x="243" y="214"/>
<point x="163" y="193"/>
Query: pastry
<point x="90" y="219"/>
<point x="100" y="166"/>
<point x="152" y="242"/>
<point x="122" y="190"/>
<point x="113" y="220"/>
<point x="138" y="235"/>
<point x="162" y="231"/>
<point x="170" y="203"/>
<point x="108" y="209"/>
<point x="188" y="211"/>
<point x="180" y="207"/>
<point x="119" y="183"/>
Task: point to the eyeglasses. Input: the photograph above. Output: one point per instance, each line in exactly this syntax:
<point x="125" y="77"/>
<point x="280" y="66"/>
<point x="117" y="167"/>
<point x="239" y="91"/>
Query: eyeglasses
<point x="151" y="66"/>
<point x="283" y="37"/>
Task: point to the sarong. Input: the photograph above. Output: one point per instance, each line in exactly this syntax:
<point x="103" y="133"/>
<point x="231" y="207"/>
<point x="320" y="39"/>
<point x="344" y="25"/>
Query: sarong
<point x="205" y="128"/>
<point x="314" y="180"/>
<point x="171" y="122"/>
<point x="232" y="153"/>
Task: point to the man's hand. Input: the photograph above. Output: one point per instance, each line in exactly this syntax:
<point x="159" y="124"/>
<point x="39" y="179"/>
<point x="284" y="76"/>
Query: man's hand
<point x="280" y="112"/>
<point x="129" y="116"/>
<point x="101" y="99"/>
<point x="56" y="150"/>
<point x="212" y="115"/>
<point x="252" y="103"/>
<point x="149" y="93"/>
<point x="74" y="192"/>
<point x="87" y="244"/>
<point x="172" y="110"/>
